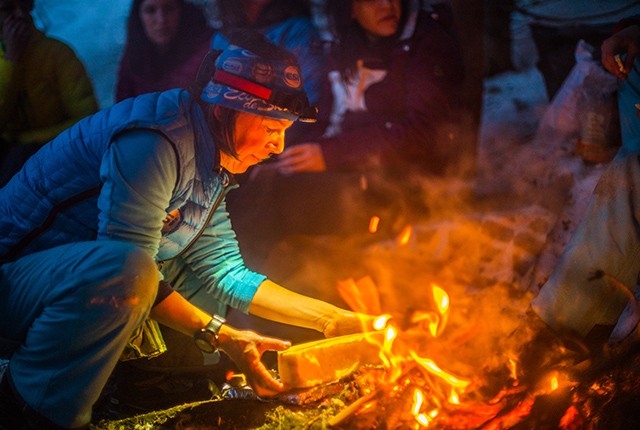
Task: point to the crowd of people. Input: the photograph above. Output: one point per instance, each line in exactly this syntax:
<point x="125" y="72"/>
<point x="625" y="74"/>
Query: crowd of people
<point x="116" y="237"/>
<point x="117" y="225"/>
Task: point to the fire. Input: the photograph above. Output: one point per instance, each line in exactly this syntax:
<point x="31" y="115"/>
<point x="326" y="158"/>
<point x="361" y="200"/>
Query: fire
<point x="418" y="399"/>
<point x="554" y="383"/>
<point x="513" y="369"/>
<point x="433" y="368"/>
<point x="422" y="420"/>
<point x="381" y="322"/>
<point x="405" y="235"/>
<point x="374" y="223"/>
<point x="441" y="299"/>
<point x="389" y="359"/>
<point x="454" y="399"/>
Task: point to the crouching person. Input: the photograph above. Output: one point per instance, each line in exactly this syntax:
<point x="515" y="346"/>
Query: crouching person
<point x="87" y="226"/>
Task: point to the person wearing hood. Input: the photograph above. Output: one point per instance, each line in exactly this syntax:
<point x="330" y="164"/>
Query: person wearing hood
<point x="166" y="40"/>
<point x="44" y="87"/>
<point x="394" y="82"/>
<point x="120" y="223"/>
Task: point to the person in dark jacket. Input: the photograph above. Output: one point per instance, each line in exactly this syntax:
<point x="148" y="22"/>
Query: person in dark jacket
<point x="120" y="223"/>
<point x="392" y="117"/>
<point x="44" y="87"/>
<point x="166" y="40"/>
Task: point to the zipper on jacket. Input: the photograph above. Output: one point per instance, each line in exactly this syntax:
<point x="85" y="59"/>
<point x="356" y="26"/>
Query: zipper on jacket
<point x="225" y="184"/>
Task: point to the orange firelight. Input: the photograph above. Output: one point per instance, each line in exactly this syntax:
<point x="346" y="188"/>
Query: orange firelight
<point x="374" y="223"/>
<point x="405" y="235"/>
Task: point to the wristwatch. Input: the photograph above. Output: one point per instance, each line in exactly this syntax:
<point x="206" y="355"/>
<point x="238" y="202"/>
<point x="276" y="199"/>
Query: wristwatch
<point x="207" y="337"/>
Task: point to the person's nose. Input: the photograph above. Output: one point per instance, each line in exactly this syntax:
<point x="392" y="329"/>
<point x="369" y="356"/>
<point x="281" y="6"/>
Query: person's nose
<point x="161" y="16"/>
<point x="278" y="144"/>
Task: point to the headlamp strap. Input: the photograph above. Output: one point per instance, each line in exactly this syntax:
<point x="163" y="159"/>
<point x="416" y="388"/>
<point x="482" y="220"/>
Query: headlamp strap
<point x="242" y="84"/>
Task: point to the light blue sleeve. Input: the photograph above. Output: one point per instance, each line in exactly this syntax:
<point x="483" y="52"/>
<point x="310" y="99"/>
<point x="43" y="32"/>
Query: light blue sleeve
<point x="215" y="258"/>
<point x="139" y="173"/>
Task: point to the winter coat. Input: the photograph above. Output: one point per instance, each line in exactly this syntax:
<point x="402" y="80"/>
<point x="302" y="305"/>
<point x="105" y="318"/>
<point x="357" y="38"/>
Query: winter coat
<point x="78" y="187"/>
<point x="287" y="23"/>
<point x="44" y="93"/>
<point x="402" y="109"/>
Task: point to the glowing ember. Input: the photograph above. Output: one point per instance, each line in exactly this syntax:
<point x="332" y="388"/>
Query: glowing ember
<point x="373" y="224"/>
<point x="405" y="235"/>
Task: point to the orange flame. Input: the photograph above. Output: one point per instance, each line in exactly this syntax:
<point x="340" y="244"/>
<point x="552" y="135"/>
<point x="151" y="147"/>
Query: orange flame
<point x="433" y="368"/>
<point x="430" y="319"/>
<point x="454" y="399"/>
<point x="513" y="368"/>
<point x="418" y="398"/>
<point x="405" y="235"/>
<point x="441" y="299"/>
<point x="361" y="295"/>
<point x="374" y="223"/>
<point x="381" y="322"/>
<point x="554" y="383"/>
<point x="422" y="420"/>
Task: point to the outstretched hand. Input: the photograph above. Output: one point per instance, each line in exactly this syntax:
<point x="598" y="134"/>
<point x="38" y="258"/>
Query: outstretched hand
<point x="305" y="157"/>
<point x="625" y="45"/>
<point x="245" y="348"/>
<point x="346" y="322"/>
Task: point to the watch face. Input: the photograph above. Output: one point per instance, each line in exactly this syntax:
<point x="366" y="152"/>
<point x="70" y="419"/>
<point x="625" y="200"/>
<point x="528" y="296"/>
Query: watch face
<point x="206" y="339"/>
<point x="203" y="342"/>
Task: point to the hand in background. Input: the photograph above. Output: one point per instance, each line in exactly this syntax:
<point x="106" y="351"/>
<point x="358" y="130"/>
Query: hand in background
<point x="245" y="348"/>
<point x="625" y="42"/>
<point x="16" y="30"/>
<point x="305" y="157"/>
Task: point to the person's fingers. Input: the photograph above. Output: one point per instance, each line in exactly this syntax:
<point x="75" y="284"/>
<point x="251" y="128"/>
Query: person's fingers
<point x="259" y="377"/>
<point x="272" y="344"/>
<point x="292" y="163"/>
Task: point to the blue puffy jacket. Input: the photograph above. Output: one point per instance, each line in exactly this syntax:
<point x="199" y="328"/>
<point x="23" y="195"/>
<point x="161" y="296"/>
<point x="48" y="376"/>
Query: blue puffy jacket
<point x="144" y="171"/>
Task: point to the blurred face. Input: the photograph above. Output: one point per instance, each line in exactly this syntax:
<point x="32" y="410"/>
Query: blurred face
<point x="10" y="9"/>
<point x="160" y="20"/>
<point x="379" y="18"/>
<point x="256" y="139"/>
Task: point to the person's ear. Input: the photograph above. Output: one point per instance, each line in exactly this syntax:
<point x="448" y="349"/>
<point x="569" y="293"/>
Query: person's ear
<point x="217" y="112"/>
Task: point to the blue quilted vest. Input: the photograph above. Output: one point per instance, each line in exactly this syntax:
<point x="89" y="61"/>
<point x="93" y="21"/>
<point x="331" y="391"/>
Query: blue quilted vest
<point x="53" y="199"/>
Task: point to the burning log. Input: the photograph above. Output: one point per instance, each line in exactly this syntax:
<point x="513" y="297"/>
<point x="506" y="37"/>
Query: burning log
<point x="328" y="360"/>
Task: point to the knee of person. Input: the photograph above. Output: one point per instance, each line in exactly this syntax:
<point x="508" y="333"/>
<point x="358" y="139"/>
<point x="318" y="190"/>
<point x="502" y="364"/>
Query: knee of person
<point x="137" y="272"/>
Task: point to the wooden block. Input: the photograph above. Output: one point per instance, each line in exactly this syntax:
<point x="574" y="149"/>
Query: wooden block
<point x="327" y="360"/>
